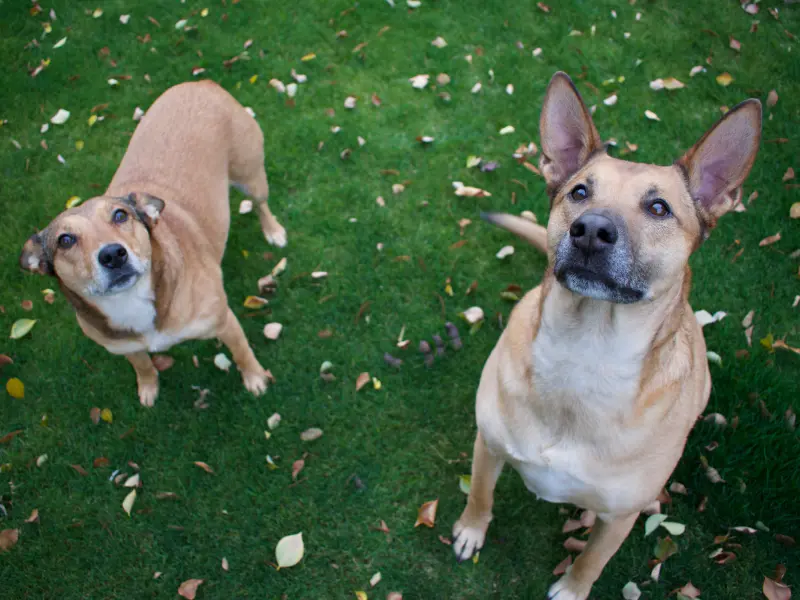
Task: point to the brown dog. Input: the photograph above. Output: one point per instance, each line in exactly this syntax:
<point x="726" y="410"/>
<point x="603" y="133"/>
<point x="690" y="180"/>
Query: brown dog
<point x="141" y="263"/>
<point x="595" y="384"/>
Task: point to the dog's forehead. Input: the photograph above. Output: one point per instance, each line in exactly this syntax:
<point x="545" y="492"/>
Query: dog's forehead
<point x="632" y="177"/>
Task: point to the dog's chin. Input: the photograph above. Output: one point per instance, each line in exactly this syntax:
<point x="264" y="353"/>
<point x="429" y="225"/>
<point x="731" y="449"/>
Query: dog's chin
<point x="117" y="284"/>
<point x="598" y="286"/>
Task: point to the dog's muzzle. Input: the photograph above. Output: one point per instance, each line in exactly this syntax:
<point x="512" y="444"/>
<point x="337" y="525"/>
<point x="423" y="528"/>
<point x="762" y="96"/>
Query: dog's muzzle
<point x="118" y="270"/>
<point x="594" y="259"/>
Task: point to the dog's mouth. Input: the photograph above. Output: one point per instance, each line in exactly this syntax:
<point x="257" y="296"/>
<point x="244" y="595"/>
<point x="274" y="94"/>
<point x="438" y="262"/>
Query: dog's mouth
<point x="599" y="286"/>
<point x="122" y="282"/>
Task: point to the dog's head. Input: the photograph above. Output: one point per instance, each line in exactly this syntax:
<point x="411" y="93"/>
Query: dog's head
<point x="623" y="231"/>
<point x="98" y="248"/>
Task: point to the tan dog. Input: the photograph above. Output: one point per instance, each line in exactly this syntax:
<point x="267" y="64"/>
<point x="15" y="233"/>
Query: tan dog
<point x="141" y="264"/>
<point x="597" y="380"/>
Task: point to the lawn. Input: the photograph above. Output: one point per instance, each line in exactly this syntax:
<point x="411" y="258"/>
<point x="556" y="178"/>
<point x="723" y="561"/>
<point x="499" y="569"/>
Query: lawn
<point x="384" y="451"/>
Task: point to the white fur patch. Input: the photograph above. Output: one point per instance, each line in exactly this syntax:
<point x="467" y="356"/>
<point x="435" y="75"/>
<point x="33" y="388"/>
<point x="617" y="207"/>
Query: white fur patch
<point x="33" y="262"/>
<point x="131" y="310"/>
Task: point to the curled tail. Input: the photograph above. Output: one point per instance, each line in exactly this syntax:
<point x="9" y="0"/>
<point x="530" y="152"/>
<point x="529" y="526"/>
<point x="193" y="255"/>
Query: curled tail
<point x="534" y="234"/>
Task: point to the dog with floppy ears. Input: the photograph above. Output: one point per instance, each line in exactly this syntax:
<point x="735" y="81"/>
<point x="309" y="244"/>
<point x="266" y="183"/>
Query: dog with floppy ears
<point x="597" y="380"/>
<point x="141" y="263"/>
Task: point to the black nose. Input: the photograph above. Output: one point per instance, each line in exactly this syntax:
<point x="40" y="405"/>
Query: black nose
<point x="113" y="256"/>
<point x="593" y="232"/>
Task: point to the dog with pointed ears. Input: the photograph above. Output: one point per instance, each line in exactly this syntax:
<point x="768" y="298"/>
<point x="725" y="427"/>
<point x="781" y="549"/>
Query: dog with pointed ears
<point x="141" y="263"/>
<point x="596" y="382"/>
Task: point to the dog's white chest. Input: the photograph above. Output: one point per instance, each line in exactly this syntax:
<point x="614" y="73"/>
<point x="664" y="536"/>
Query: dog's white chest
<point x="132" y="310"/>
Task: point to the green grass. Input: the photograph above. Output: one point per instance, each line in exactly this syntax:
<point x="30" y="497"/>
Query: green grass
<point x="409" y="441"/>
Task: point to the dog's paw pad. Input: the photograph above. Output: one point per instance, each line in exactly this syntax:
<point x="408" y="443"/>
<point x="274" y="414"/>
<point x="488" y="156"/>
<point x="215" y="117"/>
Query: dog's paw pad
<point x="277" y="237"/>
<point x="256" y="383"/>
<point x="467" y="540"/>
<point x="567" y="589"/>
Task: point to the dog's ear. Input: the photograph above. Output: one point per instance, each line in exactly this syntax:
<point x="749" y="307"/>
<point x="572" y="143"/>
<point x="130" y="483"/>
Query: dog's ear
<point x="35" y="256"/>
<point x="567" y="132"/>
<point x="717" y="165"/>
<point x="148" y="208"/>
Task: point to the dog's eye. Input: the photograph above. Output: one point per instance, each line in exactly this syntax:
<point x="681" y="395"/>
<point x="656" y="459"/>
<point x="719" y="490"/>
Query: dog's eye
<point x="66" y="241"/>
<point x="579" y="193"/>
<point x="659" y="208"/>
<point x="119" y="216"/>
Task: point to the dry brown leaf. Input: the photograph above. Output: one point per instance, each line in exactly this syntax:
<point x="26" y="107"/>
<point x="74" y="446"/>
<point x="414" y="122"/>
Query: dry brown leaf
<point x="362" y="380"/>
<point x="162" y="362"/>
<point x="735" y="44"/>
<point x="225" y="565"/>
<point x="788" y="175"/>
<point x="309" y="435"/>
<point x="34" y="518"/>
<point x="94" y="414"/>
<point x="394" y="596"/>
<point x="689" y="591"/>
<point x="79" y="470"/>
<point x="748" y="319"/>
<point x="426" y="515"/>
<point x="783" y="346"/>
<point x="10" y="436"/>
<point x="771" y="239"/>
<point x="100" y="461"/>
<point x="471" y="192"/>
<point x="297" y="466"/>
<point x="794" y="211"/>
<point x="724" y="79"/>
<point x="205" y="467"/>
<point x="776" y="591"/>
<point x="772" y="98"/>
<point x="188" y="589"/>
<point x="8" y="539"/>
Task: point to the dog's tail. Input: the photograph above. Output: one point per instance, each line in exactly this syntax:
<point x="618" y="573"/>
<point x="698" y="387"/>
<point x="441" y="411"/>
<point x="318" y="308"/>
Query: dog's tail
<point x="534" y="234"/>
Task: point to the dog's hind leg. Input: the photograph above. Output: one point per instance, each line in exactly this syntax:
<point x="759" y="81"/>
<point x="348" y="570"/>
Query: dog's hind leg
<point x="253" y="374"/>
<point x="146" y="377"/>
<point x="606" y="538"/>
<point x="246" y="171"/>
<point x="469" y="532"/>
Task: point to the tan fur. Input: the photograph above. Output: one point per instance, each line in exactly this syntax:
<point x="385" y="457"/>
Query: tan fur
<point x="592" y="401"/>
<point x="172" y="185"/>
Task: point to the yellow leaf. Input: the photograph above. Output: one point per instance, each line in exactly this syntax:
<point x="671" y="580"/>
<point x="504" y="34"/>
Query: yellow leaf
<point x="245" y="253"/>
<point x="21" y="327"/>
<point x="107" y="415"/>
<point x="254" y="78"/>
<point x="724" y="79"/>
<point x="361" y="595"/>
<point x="768" y="341"/>
<point x="15" y="388"/>
<point x="92" y="120"/>
<point x="290" y="550"/>
<point x="204" y="12"/>
<point x="79" y="145"/>
<point x="309" y="57"/>
<point x="448" y="289"/>
<point x="376" y="383"/>
<point x="73" y="201"/>
<point x="127" y="504"/>
<point x="254" y="302"/>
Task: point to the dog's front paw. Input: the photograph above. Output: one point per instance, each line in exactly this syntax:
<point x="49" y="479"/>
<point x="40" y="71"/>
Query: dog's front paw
<point x="148" y="392"/>
<point x="255" y="382"/>
<point x="567" y="588"/>
<point x="468" y="538"/>
<point x="276" y="237"/>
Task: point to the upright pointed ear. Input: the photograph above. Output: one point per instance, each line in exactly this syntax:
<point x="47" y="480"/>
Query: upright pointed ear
<point x="717" y="165"/>
<point x="148" y="208"/>
<point x="35" y="256"/>
<point x="567" y="132"/>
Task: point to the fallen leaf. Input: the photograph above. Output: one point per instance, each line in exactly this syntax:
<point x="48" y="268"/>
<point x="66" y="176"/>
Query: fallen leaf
<point x="426" y="515"/>
<point x="788" y="175"/>
<point x="79" y="470"/>
<point x="100" y="461"/>
<point x="507" y="129"/>
<point x="34" y="518"/>
<point x="375" y="579"/>
<point x="776" y="591"/>
<point x="309" y="435"/>
<point x="471" y="192"/>
<point x="350" y="102"/>
<point x="162" y="362"/>
<point x="678" y="488"/>
<point x="689" y="591"/>
<point x="473" y="315"/>
<point x="21" y="327"/>
<point x="41" y="460"/>
<point x="225" y="565"/>
<point x="439" y="42"/>
<point x="280" y="267"/>
<point x="188" y="589"/>
<point x="724" y="79"/>
<point x="363" y="379"/>
<point x="735" y="44"/>
<point x="783" y="346"/>
<point x="272" y="331"/>
<point x="106" y="415"/>
<point x="394" y="596"/>
<point x="504" y="252"/>
<point x="419" y="81"/>
<point x="631" y="591"/>
<point x="794" y="211"/>
<point x="255" y="302"/>
<point x="274" y="421"/>
<point x="8" y="539"/>
<point x="5" y="359"/>
<point x="705" y="318"/>
<point x="15" y="388"/>
<point x="611" y="100"/>
<point x="770" y="239"/>
<point x="127" y="504"/>
<point x="297" y="466"/>
<point x="674" y="528"/>
<point x="361" y="595"/>
<point x="290" y="550"/>
<point x="656" y="572"/>
<point x="665" y="548"/>
<point x="772" y="98"/>
<point x="60" y="117"/>
<point x="651" y="115"/>
<point x="132" y="481"/>
<point x="222" y="362"/>
<point x="204" y="466"/>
